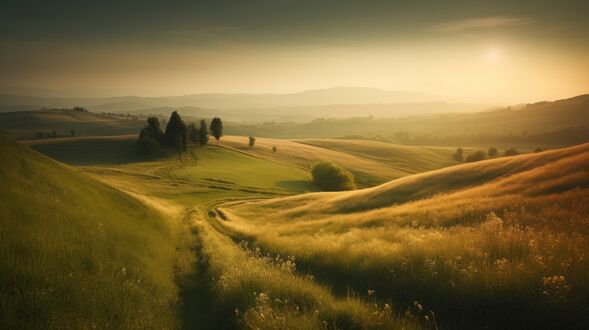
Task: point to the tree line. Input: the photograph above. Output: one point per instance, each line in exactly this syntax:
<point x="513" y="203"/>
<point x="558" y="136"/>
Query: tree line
<point x="479" y="155"/>
<point x="177" y="134"/>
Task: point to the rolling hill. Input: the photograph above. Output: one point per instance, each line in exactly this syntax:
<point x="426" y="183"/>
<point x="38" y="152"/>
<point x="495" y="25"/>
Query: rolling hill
<point x="509" y="232"/>
<point x="336" y="102"/>
<point x="518" y="124"/>
<point x="26" y="124"/>
<point x="371" y="162"/>
<point x="76" y="253"/>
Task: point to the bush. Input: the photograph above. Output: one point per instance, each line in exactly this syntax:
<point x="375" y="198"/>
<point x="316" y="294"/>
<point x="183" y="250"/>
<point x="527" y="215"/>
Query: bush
<point x="511" y="152"/>
<point x="476" y="156"/>
<point x="493" y="152"/>
<point x="459" y="155"/>
<point x="331" y="177"/>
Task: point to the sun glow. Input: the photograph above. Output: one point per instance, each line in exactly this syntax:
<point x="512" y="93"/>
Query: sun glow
<point x="493" y="54"/>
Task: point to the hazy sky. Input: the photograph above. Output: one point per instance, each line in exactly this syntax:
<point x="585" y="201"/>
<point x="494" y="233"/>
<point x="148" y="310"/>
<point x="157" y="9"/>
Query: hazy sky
<point x="492" y="51"/>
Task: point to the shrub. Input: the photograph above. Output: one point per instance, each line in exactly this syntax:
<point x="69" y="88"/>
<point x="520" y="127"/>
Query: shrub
<point x="538" y="150"/>
<point x="459" y="155"/>
<point x="331" y="177"/>
<point x="274" y="149"/>
<point x="511" y="152"/>
<point x="476" y="156"/>
<point x="252" y="141"/>
<point x="493" y="152"/>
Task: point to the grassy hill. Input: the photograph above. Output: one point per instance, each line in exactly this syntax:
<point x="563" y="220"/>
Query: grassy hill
<point x="371" y="162"/>
<point x="498" y="243"/>
<point x="91" y="150"/>
<point x="26" y="124"/>
<point x="76" y="253"/>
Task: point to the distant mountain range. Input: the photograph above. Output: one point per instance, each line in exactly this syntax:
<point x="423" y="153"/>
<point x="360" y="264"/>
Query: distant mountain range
<point x="327" y="96"/>
<point x="337" y="102"/>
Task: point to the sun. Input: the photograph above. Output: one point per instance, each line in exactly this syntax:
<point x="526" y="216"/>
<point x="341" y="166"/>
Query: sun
<point x="493" y="54"/>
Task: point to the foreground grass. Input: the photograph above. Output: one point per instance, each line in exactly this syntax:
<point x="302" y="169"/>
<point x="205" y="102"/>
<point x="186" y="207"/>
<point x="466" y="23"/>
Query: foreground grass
<point x="497" y="244"/>
<point x="266" y="292"/>
<point x="75" y="253"/>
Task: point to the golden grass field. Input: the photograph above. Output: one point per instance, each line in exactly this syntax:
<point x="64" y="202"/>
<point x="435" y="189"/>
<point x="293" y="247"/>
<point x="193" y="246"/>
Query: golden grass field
<point x="481" y="244"/>
<point x="229" y="236"/>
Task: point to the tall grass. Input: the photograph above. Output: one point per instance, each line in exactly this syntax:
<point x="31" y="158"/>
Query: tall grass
<point x="75" y="253"/>
<point x="267" y="292"/>
<point x="508" y="251"/>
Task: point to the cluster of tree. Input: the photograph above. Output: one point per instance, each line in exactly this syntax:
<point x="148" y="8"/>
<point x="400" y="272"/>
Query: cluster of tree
<point x="80" y="109"/>
<point x="53" y="134"/>
<point x="482" y="154"/>
<point x="331" y="177"/>
<point x="76" y="109"/>
<point x="177" y="134"/>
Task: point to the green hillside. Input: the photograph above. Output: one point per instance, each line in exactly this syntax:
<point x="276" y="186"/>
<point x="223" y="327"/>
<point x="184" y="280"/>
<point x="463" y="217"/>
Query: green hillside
<point x="75" y="253"/>
<point x="26" y="124"/>
<point x="371" y="162"/>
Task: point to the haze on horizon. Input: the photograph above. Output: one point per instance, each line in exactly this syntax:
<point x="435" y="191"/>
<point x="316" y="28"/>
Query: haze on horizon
<point x="495" y="52"/>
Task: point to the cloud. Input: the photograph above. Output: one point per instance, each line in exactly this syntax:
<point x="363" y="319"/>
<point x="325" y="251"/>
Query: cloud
<point x="479" y="23"/>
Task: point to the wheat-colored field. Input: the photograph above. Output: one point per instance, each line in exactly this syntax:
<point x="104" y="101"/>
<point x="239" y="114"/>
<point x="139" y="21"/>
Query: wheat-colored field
<point x="481" y="244"/>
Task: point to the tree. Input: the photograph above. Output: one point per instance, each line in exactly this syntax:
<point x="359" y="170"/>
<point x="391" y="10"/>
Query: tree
<point x="274" y="149"/>
<point x="152" y="130"/>
<point x="203" y="135"/>
<point x="176" y="132"/>
<point x="252" y="142"/>
<point x="147" y="145"/>
<point x="192" y="133"/>
<point x="54" y="133"/>
<point x="331" y="177"/>
<point x="150" y="138"/>
<point x="493" y="152"/>
<point x="511" y="152"/>
<point x="73" y="132"/>
<point x="476" y="156"/>
<point x="217" y="128"/>
<point x="459" y="155"/>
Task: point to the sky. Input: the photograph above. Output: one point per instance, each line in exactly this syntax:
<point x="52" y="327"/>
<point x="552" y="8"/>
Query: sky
<point x="478" y="51"/>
